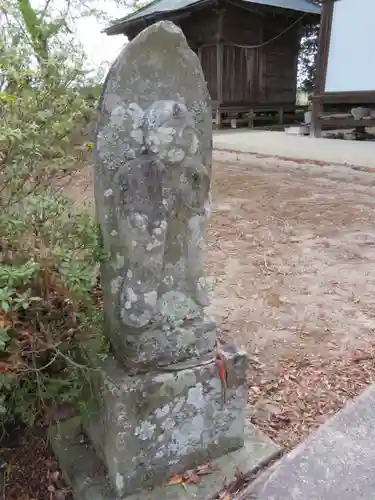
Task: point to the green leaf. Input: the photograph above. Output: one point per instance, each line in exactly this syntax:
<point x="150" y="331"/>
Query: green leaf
<point x="4" y="339"/>
<point x="6" y="381"/>
<point x="35" y="29"/>
<point x="4" y="96"/>
<point x="5" y="306"/>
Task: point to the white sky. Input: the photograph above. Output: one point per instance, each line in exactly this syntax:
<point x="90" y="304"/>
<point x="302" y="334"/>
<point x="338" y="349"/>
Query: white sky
<point x="100" y="48"/>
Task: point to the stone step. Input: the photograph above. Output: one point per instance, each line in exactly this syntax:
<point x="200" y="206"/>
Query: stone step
<point x="335" y="462"/>
<point x="86" y="473"/>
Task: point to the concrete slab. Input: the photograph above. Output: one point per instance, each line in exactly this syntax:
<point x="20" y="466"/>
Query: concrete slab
<point x="337" y="462"/>
<point x="280" y="144"/>
<point x="88" y="479"/>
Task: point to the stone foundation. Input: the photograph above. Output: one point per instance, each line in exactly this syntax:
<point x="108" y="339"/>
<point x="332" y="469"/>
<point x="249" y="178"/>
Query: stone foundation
<point x="89" y="481"/>
<point x="145" y="427"/>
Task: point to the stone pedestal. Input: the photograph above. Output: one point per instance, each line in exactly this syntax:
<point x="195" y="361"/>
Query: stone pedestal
<point x="89" y="480"/>
<point x="148" y="426"/>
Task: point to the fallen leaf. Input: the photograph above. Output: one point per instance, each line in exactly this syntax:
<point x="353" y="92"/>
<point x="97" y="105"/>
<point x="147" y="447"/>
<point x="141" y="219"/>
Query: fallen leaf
<point x="55" y="476"/>
<point x="60" y="495"/>
<point x="191" y="477"/>
<point x="204" y="469"/>
<point x="175" y="479"/>
<point x="4" y="367"/>
<point x="225" y="496"/>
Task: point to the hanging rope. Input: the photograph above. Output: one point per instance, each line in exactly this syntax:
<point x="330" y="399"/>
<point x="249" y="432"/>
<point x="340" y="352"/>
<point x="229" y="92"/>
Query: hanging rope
<point x="268" y="41"/>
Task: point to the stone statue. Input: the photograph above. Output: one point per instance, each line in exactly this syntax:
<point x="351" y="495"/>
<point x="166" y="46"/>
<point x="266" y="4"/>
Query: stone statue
<point x="163" y="398"/>
<point x="153" y="202"/>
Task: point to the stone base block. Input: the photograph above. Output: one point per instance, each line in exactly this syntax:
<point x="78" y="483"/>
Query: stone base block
<point x="146" y="427"/>
<point x="89" y="480"/>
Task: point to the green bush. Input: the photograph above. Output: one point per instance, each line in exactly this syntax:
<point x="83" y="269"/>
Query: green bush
<point x="49" y="247"/>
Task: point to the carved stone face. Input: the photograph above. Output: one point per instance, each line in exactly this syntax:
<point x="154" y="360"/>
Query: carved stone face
<point x="169" y="132"/>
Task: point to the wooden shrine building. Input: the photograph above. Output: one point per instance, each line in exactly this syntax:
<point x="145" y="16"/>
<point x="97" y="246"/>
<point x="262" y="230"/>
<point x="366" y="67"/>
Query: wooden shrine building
<point x="345" y="81"/>
<point x="248" y="48"/>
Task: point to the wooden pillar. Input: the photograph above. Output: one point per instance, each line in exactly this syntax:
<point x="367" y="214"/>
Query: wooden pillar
<point x="316" y="123"/>
<point x="219" y="59"/>
<point x="219" y="64"/>
<point x="251" y="118"/>
<point x="256" y="82"/>
<point x="199" y="52"/>
<point x="218" y="118"/>
<point x="321" y="69"/>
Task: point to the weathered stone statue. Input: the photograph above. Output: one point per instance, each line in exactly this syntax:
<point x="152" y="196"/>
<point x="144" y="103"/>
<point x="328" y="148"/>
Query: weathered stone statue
<point x="152" y="192"/>
<point x="165" y="404"/>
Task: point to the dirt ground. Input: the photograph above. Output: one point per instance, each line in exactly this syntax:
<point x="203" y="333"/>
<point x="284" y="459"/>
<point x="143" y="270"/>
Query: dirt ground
<point x="291" y="258"/>
<point x="31" y="471"/>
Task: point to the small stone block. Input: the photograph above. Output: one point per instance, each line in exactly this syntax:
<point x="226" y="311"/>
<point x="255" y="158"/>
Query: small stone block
<point x="88" y="479"/>
<point x="146" y="427"/>
<point x="297" y="130"/>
